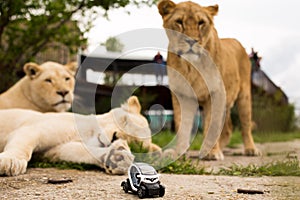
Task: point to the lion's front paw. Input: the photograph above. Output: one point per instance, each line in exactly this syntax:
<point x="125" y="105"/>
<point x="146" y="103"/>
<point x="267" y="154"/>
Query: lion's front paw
<point x="118" y="158"/>
<point x="252" y="152"/>
<point x="214" y="155"/>
<point x="11" y="166"/>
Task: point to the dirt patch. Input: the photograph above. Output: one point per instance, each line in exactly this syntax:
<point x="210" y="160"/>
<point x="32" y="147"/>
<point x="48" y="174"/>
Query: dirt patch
<point x="97" y="185"/>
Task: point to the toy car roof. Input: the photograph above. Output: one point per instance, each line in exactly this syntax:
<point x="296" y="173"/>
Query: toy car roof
<point x="145" y="169"/>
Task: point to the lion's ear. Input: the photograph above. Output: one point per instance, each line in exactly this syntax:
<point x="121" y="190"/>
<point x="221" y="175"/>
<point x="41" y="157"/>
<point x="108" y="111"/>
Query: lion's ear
<point x="165" y="7"/>
<point x="32" y="70"/>
<point x="134" y="105"/>
<point x="72" y="67"/>
<point x="213" y="10"/>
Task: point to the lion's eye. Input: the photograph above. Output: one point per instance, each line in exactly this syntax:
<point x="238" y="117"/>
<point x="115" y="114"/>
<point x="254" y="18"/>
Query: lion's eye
<point x="201" y="22"/>
<point x="179" y="21"/>
<point x="67" y="78"/>
<point x="48" y="80"/>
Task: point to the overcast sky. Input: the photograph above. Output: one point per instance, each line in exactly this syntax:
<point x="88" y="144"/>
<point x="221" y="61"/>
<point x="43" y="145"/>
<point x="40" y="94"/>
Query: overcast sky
<point x="270" y="26"/>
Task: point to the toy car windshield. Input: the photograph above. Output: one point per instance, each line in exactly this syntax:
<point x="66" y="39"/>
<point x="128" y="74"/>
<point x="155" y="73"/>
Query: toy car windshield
<point x="146" y="169"/>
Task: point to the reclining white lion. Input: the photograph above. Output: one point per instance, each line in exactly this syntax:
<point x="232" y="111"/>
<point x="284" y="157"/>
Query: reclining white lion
<point x="92" y="139"/>
<point x="46" y="88"/>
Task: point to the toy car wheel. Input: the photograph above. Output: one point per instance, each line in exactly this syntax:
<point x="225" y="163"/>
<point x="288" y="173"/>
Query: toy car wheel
<point x="161" y="190"/>
<point x="125" y="186"/>
<point x="141" y="192"/>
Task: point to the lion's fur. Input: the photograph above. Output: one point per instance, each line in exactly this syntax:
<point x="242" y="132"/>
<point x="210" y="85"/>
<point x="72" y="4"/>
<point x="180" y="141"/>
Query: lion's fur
<point x="72" y="137"/>
<point x="43" y="88"/>
<point x="196" y="22"/>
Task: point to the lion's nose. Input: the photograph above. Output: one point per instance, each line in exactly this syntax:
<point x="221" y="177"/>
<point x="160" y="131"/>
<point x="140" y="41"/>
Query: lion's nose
<point x="62" y="93"/>
<point x="191" y="42"/>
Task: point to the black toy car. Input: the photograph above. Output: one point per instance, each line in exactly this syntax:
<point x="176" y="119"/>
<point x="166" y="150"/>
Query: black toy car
<point x="143" y="180"/>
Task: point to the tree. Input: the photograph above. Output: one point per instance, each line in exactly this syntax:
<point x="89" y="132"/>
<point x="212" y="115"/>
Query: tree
<point x="27" y="26"/>
<point x="113" y="44"/>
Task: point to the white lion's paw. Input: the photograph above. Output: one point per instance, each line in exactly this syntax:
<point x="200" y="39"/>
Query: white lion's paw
<point x="11" y="166"/>
<point x="119" y="158"/>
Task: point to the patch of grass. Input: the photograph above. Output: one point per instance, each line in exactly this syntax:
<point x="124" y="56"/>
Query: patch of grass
<point x="164" y="138"/>
<point x="196" y="142"/>
<point x="279" y="168"/>
<point x="264" y="137"/>
<point x="137" y="147"/>
<point x="236" y="139"/>
<point x="141" y="154"/>
<point x="181" y="166"/>
<point x="38" y="162"/>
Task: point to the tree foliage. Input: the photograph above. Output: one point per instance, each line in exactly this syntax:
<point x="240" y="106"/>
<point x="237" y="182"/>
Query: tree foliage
<point x="27" y="26"/>
<point x="113" y="44"/>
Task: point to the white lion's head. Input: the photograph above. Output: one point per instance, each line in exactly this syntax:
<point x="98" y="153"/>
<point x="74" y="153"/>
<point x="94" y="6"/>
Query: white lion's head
<point x="51" y="85"/>
<point x="127" y="123"/>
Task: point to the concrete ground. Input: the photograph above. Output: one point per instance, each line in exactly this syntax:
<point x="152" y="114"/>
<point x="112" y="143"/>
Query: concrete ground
<point x="98" y="185"/>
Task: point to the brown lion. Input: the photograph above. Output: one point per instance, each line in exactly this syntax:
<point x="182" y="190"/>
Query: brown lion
<point x="196" y="23"/>
<point x="45" y="88"/>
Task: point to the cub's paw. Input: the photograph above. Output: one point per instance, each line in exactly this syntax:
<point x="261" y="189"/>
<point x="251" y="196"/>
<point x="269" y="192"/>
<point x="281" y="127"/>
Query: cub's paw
<point x="11" y="166"/>
<point x="118" y="158"/>
<point x="252" y="152"/>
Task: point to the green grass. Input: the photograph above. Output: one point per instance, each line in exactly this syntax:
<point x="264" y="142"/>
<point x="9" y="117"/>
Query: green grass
<point x="38" y="162"/>
<point x="180" y="166"/>
<point x="275" y="137"/>
<point x="279" y="168"/>
<point x="263" y="137"/>
<point x="165" y="137"/>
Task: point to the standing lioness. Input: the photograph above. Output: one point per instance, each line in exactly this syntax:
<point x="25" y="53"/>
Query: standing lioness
<point x="196" y="28"/>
